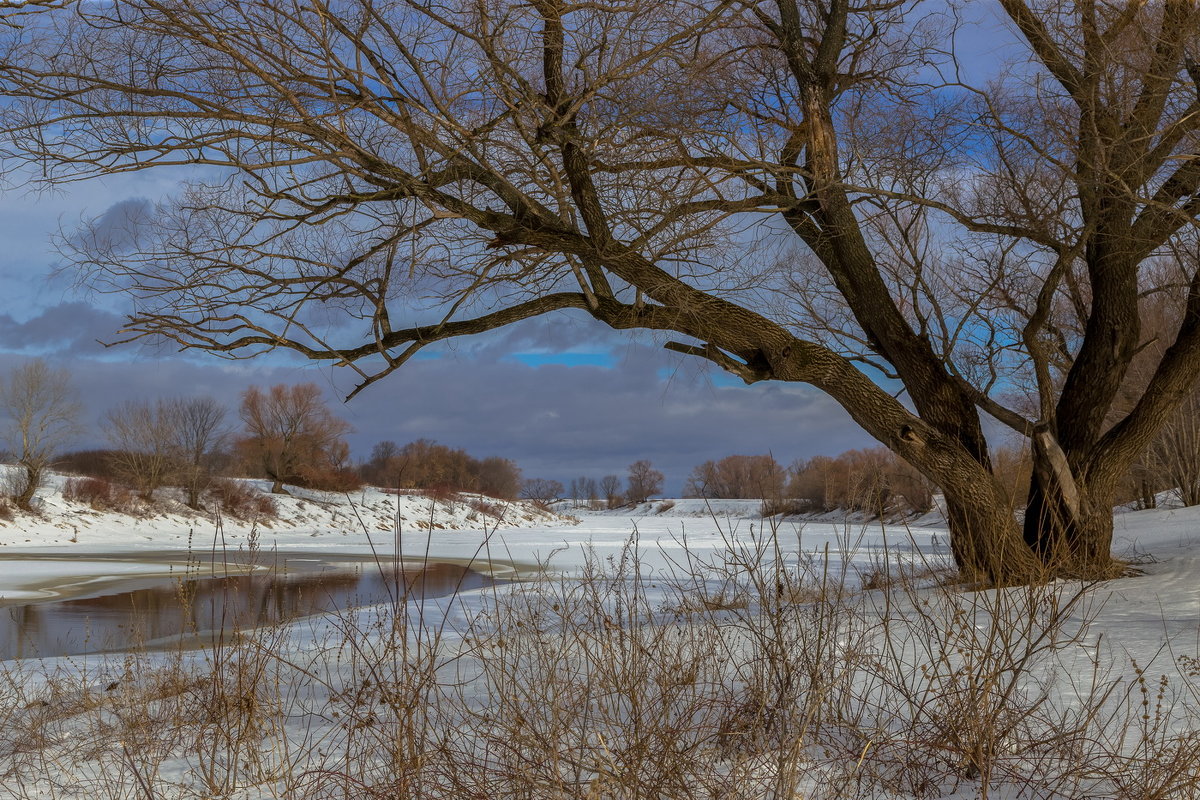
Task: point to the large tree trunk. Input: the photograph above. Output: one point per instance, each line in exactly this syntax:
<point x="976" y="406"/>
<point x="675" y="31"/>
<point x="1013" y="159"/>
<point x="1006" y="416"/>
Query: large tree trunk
<point x="986" y="541"/>
<point x="1074" y="542"/>
<point x="1068" y="521"/>
<point x="986" y="545"/>
<point x="23" y="499"/>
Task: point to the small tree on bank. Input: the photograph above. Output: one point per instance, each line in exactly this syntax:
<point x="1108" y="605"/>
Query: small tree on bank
<point x="143" y="438"/>
<point x="541" y="490"/>
<point x="198" y="433"/>
<point x="644" y="482"/>
<point x="610" y="488"/>
<point x="292" y="436"/>
<point x="43" y="412"/>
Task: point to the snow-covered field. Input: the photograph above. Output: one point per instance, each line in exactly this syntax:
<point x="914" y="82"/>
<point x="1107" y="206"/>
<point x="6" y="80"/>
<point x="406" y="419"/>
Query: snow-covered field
<point x="733" y="667"/>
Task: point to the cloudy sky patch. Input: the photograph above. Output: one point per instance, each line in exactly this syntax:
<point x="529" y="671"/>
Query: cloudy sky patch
<point x="563" y="395"/>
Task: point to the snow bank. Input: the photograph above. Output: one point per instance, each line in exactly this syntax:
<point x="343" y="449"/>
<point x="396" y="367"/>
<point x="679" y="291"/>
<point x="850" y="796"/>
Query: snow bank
<point x="304" y="518"/>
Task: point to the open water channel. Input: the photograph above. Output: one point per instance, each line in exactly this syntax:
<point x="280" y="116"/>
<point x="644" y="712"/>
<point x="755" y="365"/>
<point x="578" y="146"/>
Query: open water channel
<point x="97" y="604"/>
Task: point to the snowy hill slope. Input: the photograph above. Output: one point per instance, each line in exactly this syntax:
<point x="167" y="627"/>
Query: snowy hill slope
<point x="302" y="517"/>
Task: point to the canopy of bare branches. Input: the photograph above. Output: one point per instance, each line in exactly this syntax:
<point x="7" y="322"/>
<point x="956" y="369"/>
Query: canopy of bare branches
<point x="798" y="190"/>
<point x="293" y="437"/>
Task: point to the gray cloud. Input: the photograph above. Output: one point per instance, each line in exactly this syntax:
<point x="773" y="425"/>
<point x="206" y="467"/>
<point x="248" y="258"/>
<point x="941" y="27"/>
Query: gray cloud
<point x="75" y="328"/>
<point x="115" y="229"/>
<point x="562" y="422"/>
<point x="556" y="421"/>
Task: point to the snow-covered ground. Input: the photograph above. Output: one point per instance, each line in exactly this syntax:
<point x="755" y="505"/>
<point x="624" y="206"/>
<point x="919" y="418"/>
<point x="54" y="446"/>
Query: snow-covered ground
<point x="697" y="562"/>
<point x="671" y="537"/>
<point x="302" y="515"/>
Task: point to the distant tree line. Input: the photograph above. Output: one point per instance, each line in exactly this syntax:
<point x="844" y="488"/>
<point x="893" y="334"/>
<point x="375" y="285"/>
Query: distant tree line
<point x="877" y="481"/>
<point x="642" y="481"/>
<point x="289" y="436"/>
<point x="285" y="434"/>
<point x="429" y="466"/>
<point x="874" y="480"/>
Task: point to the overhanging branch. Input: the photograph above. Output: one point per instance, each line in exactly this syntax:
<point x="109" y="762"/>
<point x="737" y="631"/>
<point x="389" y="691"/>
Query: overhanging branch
<point x="746" y="372"/>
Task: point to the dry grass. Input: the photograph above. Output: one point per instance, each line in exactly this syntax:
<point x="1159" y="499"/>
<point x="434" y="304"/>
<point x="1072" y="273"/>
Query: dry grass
<point x="487" y="508"/>
<point x="750" y="675"/>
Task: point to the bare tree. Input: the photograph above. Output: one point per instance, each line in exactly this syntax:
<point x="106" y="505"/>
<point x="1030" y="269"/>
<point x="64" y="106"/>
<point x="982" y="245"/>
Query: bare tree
<point x="759" y="477"/>
<point x="197" y="435"/>
<point x="541" y="490"/>
<point x="43" y="412"/>
<point x="583" y="492"/>
<point x="498" y="477"/>
<point x="635" y="163"/>
<point x="143" y="437"/>
<point x="1174" y="456"/>
<point x="383" y="468"/>
<point x="586" y="491"/>
<point x="292" y="436"/>
<point x="610" y="488"/>
<point x="644" y="482"/>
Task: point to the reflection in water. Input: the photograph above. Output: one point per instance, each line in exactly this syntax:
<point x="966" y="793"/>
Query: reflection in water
<point x="167" y="613"/>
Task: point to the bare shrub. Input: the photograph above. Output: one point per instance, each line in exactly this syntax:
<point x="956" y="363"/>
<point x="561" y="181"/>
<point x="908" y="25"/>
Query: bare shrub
<point x="550" y="727"/>
<point x="493" y="510"/>
<point x="789" y="507"/>
<point x="442" y="493"/>
<point x="329" y="478"/>
<point x="237" y="715"/>
<point x="241" y="500"/>
<point x="98" y="493"/>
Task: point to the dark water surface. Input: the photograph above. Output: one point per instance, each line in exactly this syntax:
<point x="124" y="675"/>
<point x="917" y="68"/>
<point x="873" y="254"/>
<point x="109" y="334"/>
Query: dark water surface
<point x="161" y="611"/>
